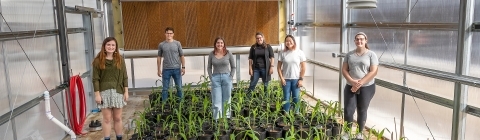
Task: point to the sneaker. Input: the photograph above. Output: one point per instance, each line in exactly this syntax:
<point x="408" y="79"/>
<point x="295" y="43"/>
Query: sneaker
<point x="345" y="136"/>
<point x="98" y="123"/>
<point x="359" y="136"/>
<point x="92" y="124"/>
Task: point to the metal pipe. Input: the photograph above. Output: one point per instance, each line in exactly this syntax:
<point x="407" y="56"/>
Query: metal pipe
<point x="405" y="62"/>
<point x="237" y="62"/>
<point x="191" y="52"/>
<point x="343" y="49"/>
<point x="132" y="70"/>
<point x="63" y="39"/>
<point x="464" y="44"/>
<point x="72" y="134"/>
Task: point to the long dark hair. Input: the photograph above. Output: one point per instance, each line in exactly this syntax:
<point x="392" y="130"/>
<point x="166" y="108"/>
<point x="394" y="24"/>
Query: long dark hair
<point x="101" y="56"/>
<point x="365" y="35"/>
<point x="294" y="43"/>
<point x="224" y="50"/>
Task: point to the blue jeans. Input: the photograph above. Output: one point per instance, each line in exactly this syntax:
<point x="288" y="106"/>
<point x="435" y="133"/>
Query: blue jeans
<point x="291" y="87"/>
<point x="257" y="74"/>
<point x="177" y="78"/>
<point x="221" y="95"/>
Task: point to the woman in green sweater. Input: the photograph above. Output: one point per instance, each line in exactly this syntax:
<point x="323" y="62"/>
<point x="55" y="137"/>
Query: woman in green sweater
<point x="110" y="83"/>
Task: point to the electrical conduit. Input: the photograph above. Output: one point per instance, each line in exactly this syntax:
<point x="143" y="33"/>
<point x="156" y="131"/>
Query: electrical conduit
<point x="46" y="95"/>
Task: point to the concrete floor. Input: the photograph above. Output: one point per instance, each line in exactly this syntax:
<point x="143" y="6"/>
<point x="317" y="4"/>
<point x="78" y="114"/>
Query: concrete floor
<point x="135" y="104"/>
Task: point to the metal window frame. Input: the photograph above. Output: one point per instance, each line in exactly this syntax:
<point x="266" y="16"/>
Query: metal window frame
<point x="472" y="110"/>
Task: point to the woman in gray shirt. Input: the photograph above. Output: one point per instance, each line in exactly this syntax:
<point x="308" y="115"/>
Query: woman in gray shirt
<point x="223" y="71"/>
<point x="359" y="69"/>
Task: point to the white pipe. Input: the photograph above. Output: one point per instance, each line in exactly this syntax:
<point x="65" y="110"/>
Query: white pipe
<point x="190" y="52"/>
<point x="46" y="95"/>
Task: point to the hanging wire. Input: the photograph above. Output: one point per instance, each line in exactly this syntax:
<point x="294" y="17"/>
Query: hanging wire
<point x="24" y="69"/>
<point x="386" y="45"/>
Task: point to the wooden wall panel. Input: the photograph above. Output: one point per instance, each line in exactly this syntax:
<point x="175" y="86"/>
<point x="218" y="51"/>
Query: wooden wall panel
<point x="203" y="22"/>
<point x="154" y="23"/>
<point x="191" y="24"/>
<point x="264" y="21"/>
<point x="135" y="35"/>
<point x="198" y="23"/>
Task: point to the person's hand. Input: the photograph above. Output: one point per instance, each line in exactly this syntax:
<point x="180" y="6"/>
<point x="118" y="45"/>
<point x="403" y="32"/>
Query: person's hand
<point x="183" y="72"/>
<point x="354" y="89"/>
<point x="125" y="96"/>
<point x="284" y="82"/>
<point x="300" y="83"/>
<point x="271" y="71"/>
<point x="359" y="84"/>
<point x="98" y="99"/>
<point x="353" y="82"/>
<point x="159" y="73"/>
<point x="250" y="72"/>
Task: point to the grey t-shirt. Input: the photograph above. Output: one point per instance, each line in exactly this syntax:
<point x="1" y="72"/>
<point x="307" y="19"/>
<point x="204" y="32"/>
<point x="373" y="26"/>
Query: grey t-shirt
<point x="359" y="66"/>
<point x="226" y="64"/>
<point x="171" y="53"/>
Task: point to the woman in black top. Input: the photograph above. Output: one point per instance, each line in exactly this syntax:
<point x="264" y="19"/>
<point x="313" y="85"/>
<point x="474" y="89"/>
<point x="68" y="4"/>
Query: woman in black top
<point x="260" y="62"/>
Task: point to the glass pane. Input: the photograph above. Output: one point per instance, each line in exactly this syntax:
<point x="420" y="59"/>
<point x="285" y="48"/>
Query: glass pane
<point x="6" y="132"/>
<point x="74" y="20"/>
<point x="34" y="122"/>
<point x="433" y="49"/>
<point x="438" y="11"/>
<point x="325" y="84"/>
<point x="327" y="41"/>
<point x="472" y="128"/>
<point x="477" y="14"/>
<point x="474" y="96"/>
<point x="438" y="119"/>
<point x="430" y="85"/>
<point x="72" y="3"/>
<point x="386" y="11"/>
<point x="475" y="55"/>
<point x="305" y="11"/>
<point x="305" y="40"/>
<point x="42" y="53"/>
<point x="390" y="75"/>
<point x="327" y="11"/>
<point x="4" y="101"/>
<point x="388" y="44"/>
<point x="27" y="15"/>
<point x="385" y="111"/>
<point x="76" y="45"/>
<point x="308" y="79"/>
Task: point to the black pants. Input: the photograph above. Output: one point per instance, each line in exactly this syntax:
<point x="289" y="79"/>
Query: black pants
<point x="358" y="100"/>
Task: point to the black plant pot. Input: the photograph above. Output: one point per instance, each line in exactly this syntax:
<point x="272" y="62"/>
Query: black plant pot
<point x="260" y="133"/>
<point x="205" y="136"/>
<point x="336" y="129"/>
<point x="274" y="133"/>
<point x="239" y="133"/>
<point x="304" y="132"/>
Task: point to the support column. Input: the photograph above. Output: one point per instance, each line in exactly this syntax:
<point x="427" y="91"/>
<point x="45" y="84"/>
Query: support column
<point x="343" y="48"/>
<point x="89" y="40"/>
<point x="405" y="56"/>
<point x="464" y="44"/>
<point x="9" y="88"/>
<point x="117" y="23"/>
<point x="63" y="45"/>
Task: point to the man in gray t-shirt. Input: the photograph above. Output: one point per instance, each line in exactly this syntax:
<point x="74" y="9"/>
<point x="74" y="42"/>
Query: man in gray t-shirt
<point x="171" y="52"/>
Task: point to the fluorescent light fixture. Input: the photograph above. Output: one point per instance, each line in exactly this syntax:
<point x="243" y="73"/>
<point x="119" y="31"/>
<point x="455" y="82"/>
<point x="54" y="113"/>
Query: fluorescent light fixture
<point x="362" y="4"/>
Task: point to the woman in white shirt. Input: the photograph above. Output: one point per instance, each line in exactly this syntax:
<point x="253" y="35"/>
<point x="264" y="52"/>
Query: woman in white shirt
<point x="291" y="69"/>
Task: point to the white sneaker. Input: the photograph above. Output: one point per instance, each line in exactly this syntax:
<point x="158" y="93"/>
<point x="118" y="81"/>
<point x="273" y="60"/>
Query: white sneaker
<point x="359" y="136"/>
<point x="345" y="136"/>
